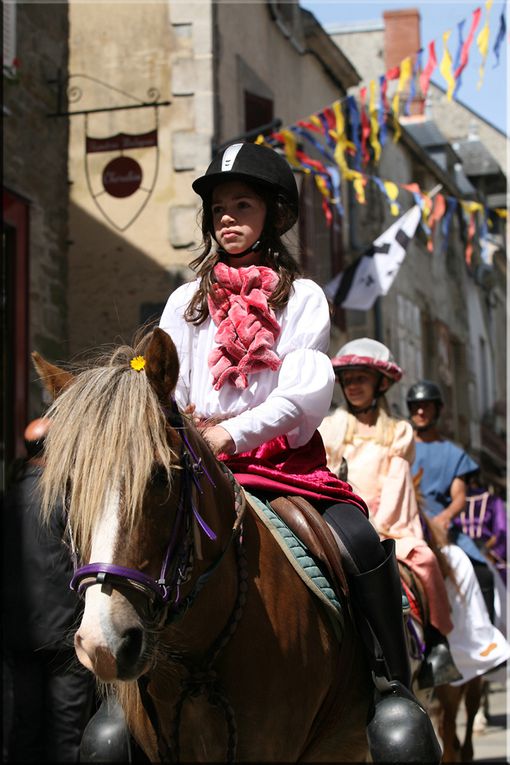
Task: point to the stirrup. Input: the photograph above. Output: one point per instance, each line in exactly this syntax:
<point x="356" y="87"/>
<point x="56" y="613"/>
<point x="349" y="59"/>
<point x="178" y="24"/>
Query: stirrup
<point x="400" y="730"/>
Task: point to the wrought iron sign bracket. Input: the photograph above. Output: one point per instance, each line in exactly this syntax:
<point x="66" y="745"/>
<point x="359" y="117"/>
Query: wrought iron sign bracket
<point x="74" y="94"/>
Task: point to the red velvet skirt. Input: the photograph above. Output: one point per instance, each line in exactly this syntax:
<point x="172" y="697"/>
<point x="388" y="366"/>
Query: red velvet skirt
<point x="277" y="468"/>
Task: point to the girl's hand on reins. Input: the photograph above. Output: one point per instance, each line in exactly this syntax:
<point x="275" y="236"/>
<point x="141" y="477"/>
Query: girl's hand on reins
<point x="219" y="440"/>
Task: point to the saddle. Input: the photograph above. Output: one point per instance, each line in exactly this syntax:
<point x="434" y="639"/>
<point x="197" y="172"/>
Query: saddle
<point x="312" y="530"/>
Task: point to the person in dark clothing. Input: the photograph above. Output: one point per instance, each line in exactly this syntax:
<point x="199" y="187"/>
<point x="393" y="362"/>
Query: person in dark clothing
<point x="52" y="696"/>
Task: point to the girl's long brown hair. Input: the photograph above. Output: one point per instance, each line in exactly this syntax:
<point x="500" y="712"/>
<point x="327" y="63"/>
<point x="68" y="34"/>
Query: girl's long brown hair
<point x="279" y="218"/>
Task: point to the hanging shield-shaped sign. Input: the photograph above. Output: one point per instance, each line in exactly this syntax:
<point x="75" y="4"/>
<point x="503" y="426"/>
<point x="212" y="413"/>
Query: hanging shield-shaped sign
<point x="119" y="186"/>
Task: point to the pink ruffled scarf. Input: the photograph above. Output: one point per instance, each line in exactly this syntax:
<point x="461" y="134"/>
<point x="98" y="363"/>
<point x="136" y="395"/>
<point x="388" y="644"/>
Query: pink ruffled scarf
<point x="247" y="327"/>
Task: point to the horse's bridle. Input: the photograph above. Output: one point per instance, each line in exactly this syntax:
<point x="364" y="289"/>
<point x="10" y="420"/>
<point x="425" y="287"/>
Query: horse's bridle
<point x="160" y="591"/>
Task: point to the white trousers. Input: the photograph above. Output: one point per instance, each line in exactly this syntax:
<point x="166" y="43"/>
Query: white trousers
<point x="477" y="646"/>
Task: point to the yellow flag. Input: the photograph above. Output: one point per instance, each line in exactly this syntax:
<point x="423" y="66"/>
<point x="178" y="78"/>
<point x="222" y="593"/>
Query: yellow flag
<point x="482" y="42"/>
<point x="406" y="70"/>
<point x="359" y="188"/>
<point x="342" y="144"/>
<point x="471" y="207"/>
<point x="446" y="66"/>
<point x="395" y="106"/>
<point x="392" y="191"/>
<point x="501" y="212"/>
<point x="290" y="146"/>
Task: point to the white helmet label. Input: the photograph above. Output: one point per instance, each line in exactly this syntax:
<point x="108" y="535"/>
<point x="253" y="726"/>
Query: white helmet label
<point x="229" y="156"/>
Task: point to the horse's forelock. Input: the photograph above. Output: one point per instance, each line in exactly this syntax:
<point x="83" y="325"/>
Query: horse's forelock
<point x="107" y="428"/>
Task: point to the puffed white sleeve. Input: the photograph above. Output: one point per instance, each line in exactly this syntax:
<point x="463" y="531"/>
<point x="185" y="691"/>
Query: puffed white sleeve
<point x="174" y="324"/>
<point x="302" y="396"/>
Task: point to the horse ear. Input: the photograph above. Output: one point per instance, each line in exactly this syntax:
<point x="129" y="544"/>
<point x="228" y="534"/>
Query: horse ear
<point x="53" y="378"/>
<point x="162" y="364"/>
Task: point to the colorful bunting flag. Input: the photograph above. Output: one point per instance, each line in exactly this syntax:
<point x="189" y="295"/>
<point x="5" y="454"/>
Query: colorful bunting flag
<point x="437" y="212"/>
<point x="342" y="144"/>
<point x="384" y="107"/>
<point x="429" y="68"/>
<point x="446" y="66"/>
<point x="365" y="126"/>
<point x="354" y="118"/>
<point x="499" y="37"/>
<point x="464" y="56"/>
<point x="482" y="41"/>
<point x="374" y="123"/>
<point x="412" y="86"/>
<point x="406" y="69"/>
<point x="470" y="234"/>
<point x="460" y="45"/>
<point x="447" y="219"/>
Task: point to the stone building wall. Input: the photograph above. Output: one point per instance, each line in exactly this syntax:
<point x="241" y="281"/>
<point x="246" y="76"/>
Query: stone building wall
<point x="121" y="272"/>
<point x="35" y="168"/>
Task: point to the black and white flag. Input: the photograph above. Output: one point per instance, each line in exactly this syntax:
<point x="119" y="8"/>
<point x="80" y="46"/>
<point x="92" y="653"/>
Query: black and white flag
<point x="373" y="273"/>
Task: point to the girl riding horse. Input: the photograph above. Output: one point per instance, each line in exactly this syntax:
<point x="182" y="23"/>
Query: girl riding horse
<point x="262" y="385"/>
<point x="377" y="445"/>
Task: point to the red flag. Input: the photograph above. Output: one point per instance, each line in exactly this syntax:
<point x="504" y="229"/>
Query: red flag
<point x="393" y="74"/>
<point x="438" y="210"/>
<point x="470" y="234"/>
<point x="464" y="54"/>
<point x="427" y="72"/>
<point x="365" y="125"/>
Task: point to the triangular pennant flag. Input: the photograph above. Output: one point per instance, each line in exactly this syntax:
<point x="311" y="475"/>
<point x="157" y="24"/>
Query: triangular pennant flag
<point x="499" y="37"/>
<point x="482" y="41"/>
<point x="464" y="55"/>
<point x="372" y="275"/>
<point x="429" y="68"/>
<point x="446" y="66"/>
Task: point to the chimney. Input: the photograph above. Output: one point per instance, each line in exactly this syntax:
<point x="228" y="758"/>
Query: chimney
<point x="402" y="38"/>
<point x="401" y="35"/>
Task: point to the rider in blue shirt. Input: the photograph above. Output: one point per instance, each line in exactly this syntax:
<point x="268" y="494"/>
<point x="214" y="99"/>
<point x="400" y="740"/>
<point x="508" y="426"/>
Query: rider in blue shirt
<point x="444" y="469"/>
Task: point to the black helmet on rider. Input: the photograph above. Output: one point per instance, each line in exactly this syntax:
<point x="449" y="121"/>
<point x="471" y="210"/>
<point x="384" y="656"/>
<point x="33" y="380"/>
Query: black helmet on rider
<point x="365" y="353"/>
<point x="263" y="169"/>
<point x="424" y="391"/>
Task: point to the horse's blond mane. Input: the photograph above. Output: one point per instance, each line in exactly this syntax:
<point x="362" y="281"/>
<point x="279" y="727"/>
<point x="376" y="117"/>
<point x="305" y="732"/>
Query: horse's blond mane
<point x="107" y="430"/>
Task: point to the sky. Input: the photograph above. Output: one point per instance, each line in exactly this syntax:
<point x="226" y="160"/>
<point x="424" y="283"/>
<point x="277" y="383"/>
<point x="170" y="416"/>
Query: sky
<point x="437" y="16"/>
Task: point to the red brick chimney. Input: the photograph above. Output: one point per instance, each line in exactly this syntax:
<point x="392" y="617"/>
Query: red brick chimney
<point x="401" y="35"/>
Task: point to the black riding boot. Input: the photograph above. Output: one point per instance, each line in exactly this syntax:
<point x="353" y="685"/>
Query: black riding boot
<point x="400" y="729"/>
<point x="106" y="736"/>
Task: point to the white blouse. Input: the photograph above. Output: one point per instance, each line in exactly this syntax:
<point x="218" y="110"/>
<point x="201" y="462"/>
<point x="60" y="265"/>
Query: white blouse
<point x="291" y="401"/>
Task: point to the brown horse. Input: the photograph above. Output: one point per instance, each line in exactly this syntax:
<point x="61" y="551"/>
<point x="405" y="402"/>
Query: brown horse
<point x="444" y="701"/>
<point x="215" y="647"/>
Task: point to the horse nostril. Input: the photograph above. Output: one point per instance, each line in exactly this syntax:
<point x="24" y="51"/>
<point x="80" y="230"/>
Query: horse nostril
<point x="129" y="650"/>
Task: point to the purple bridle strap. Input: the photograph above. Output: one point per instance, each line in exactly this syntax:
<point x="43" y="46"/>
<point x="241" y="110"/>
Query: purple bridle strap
<point x="102" y="572"/>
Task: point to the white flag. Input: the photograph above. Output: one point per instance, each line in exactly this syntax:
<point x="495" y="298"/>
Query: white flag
<point x="373" y="274"/>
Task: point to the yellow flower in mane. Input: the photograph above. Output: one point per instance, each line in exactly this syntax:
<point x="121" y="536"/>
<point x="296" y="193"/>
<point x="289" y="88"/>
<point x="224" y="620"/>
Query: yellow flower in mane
<point x="137" y="363"/>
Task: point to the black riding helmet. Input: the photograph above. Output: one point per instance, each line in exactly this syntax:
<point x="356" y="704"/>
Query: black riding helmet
<point x="251" y="162"/>
<point x="424" y="390"/>
<point x="259" y="166"/>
